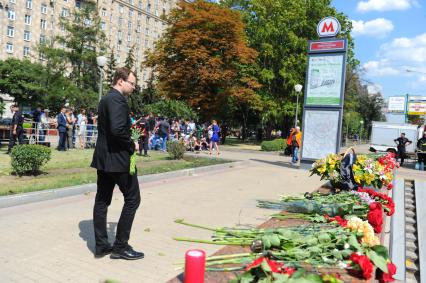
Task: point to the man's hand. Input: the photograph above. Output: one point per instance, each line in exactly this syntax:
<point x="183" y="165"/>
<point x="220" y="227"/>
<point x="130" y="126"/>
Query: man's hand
<point x="14" y="132"/>
<point x="136" y="146"/>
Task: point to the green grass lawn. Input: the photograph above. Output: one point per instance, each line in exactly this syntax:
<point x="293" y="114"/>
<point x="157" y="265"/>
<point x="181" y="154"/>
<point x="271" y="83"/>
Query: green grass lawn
<point x="72" y="168"/>
<point x="237" y="143"/>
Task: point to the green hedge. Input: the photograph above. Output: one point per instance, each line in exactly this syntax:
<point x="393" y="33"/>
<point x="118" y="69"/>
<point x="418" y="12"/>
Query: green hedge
<point x="29" y="158"/>
<point x="176" y="149"/>
<point x="274" y="145"/>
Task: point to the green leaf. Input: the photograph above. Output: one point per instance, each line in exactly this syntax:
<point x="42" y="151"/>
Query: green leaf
<point x="247" y="277"/>
<point x="265" y="266"/>
<point x="381" y="251"/>
<point x="378" y="261"/>
<point x="354" y="242"/>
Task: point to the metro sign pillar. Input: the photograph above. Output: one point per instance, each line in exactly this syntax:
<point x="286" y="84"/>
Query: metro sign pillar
<point x="324" y="93"/>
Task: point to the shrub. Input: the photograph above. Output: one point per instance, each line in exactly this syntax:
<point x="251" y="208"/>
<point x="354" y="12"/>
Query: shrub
<point x="29" y="158"/>
<point x="176" y="149"/>
<point x="274" y="145"/>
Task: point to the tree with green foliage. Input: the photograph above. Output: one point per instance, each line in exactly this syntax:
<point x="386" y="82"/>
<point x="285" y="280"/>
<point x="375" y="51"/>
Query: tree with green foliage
<point x="171" y="109"/>
<point x="130" y="59"/>
<point x="111" y="66"/>
<point x="279" y="30"/>
<point x="75" y="53"/>
<point x="23" y="80"/>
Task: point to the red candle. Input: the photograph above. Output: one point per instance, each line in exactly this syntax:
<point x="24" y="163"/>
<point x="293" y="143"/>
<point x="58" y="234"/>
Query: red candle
<point x="195" y="262"/>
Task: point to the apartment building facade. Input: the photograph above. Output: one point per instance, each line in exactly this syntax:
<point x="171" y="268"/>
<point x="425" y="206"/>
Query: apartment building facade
<point x="126" y="23"/>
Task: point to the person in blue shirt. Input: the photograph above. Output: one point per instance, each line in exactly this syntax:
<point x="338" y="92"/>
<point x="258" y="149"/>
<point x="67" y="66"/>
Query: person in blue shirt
<point x="214" y="127"/>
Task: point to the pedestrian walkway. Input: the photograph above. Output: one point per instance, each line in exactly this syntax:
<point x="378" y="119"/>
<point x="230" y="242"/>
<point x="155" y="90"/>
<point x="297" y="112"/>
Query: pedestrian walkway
<point x="52" y="241"/>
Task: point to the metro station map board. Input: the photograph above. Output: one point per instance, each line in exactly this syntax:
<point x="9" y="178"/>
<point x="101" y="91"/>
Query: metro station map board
<point x="324" y="85"/>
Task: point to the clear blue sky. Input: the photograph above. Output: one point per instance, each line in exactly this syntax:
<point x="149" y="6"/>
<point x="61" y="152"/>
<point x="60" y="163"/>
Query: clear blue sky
<point x="390" y="37"/>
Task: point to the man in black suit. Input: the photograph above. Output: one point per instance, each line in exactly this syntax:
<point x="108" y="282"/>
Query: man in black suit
<point x="62" y="129"/>
<point x="16" y="128"/>
<point x="111" y="158"/>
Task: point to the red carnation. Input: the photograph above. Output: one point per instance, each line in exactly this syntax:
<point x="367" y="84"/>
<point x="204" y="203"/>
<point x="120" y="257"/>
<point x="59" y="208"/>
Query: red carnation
<point x="375" y="217"/>
<point x="255" y="263"/>
<point x="288" y="270"/>
<point x="364" y="263"/>
<point x="390" y="186"/>
<point x="386" y="277"/>
<point x="275" y="266"/>
<point x="342" y="222"/>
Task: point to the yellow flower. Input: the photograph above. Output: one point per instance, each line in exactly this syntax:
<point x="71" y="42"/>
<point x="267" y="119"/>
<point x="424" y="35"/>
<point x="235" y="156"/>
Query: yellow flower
<point x="321" y="169"/>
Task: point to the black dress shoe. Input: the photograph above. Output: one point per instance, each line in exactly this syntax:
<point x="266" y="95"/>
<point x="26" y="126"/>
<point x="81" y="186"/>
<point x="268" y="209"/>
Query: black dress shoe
<point x="103" y="252"/>
<point x="127" y="253"/>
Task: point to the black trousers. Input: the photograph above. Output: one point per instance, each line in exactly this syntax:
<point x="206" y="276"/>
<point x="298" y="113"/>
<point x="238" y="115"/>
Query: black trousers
<point x="19" y="136"/>
<point x="62" y="140"/>
<point x="143" y="144"/>
<point x="401" y="155"/>
<point x="129" y="186"/>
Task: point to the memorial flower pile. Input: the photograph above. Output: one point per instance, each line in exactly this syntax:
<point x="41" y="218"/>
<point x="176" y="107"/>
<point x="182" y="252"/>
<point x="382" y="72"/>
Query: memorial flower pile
<point x="368" y="170"/>
<point x="348" y="245"/>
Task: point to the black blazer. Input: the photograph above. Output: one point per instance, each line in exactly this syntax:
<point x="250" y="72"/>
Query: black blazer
<point x="114" y="144"/>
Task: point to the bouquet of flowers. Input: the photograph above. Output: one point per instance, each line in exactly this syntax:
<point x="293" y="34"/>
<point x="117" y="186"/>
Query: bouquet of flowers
<point x="368" y="170"/>
<point x="135" y="134"/>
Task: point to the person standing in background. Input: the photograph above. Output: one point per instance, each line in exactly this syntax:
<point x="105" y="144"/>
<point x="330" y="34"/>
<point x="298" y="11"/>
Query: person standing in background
<point x="401" y="143"/>
<point x="16" y="128"/>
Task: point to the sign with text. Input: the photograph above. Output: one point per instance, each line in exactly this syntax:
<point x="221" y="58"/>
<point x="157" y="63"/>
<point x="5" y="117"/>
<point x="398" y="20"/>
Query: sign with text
<point x="324" y="82"/>
<point x="396" y="104"/>
<point x="329" y="45"/>
<point x="416" y="105"/>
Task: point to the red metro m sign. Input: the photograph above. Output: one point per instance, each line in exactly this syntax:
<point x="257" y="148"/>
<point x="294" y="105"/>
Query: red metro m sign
<point x="328" y="27"/>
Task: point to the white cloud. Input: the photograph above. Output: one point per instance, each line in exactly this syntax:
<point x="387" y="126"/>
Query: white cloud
<point x="375" y="28"/>
<point x="385" y="5"/>
<point x="406" y="50"/>
<point x="398" y="56"/>
<point x="380" y="68"/>
<point x="374" y="88"/>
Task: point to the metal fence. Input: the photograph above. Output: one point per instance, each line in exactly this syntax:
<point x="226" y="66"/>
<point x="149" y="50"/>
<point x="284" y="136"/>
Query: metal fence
<point x="84" y="137"/>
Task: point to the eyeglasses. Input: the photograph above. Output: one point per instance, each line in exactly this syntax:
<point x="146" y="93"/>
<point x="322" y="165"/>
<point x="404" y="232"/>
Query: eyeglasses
<point x="132" y="83"/>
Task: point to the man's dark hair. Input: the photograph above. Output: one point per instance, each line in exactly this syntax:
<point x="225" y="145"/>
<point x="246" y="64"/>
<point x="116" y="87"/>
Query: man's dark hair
<point x="122" y="73"/>
<point x="403" y="134"/>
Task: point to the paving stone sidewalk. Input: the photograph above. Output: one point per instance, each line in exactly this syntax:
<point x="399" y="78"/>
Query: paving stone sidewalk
<point x="52" y="241"/>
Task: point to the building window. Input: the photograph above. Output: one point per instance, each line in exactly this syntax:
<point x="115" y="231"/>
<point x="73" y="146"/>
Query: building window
<point x="118" y="48"/>
<point x="62" y="27"/>
<point x="27" y="35"/>
<point x="9" y="47"/>
<point x="26" y="51"/>
<point x="66" y="1"/>
<point x="120" y="21"/>
<point x="138" y="40"/>
<point x="139" y="15"/>
<point x="129" y="37"/>
<point x="12" y="1"/>
<point x="103" y="26"/>
<point x="29" y="4"/>
<point x="10" y="31"/>
<point x="129" y="25"/>
<point x="42" y="38"/>
<point x="43" y="8"/>
<point x="103" y="12"/>
<point x="27" y="19"/>
<point x="121" y="9"/>
<point x="130" y="13"/>
<point x="42" y="56"/>
<point x="11" y="15"/>
<point x="120" y="34"/>
<point x="65" y="12"/>
<point x="43" y="24"/>
<point x="78" y="4"/>
<point x="148" y="7"/>
<point x="139" y="28"/>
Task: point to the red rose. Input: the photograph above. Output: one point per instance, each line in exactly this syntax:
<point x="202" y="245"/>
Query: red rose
<point x="386" y="277"/>
<point x="375" y="217"/>
<point x="390" y="186"/>
<point x="364" y="263"/>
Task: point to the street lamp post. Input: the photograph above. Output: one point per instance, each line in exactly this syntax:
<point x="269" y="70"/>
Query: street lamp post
<point x="362" y="128"/>
<point x="298" y="89"/>
<point x="101" y="61"/>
